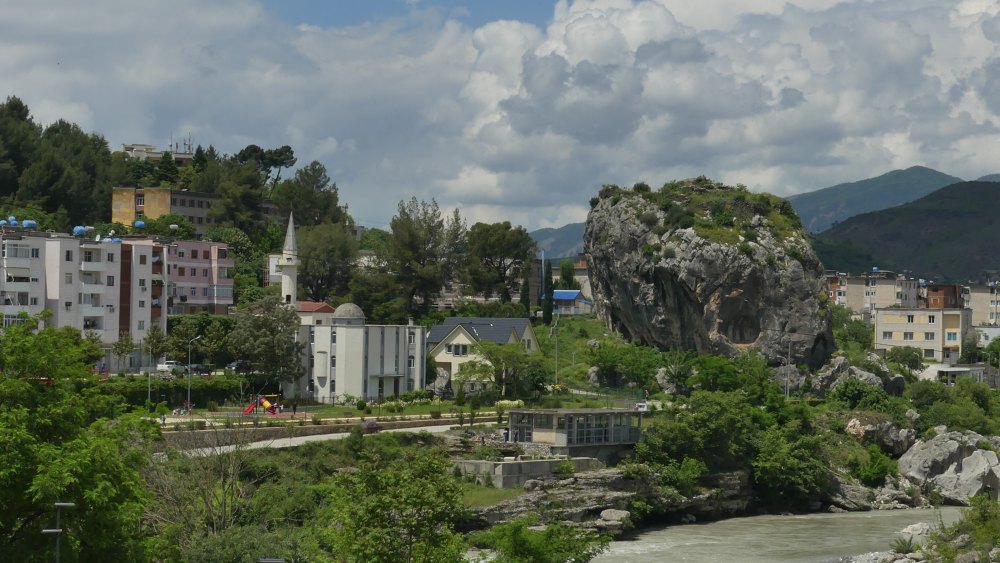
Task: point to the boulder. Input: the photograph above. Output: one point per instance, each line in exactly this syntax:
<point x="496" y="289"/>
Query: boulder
<point x="846" y="495"/>
<point x="886" y="435"/>
<point x="664" y="283"/>
<point x="828" y="374"/>
<point x="614" y="515"/>
<point x="666" y="385"/>
<point x="592" y="376"/>
<point x="918" y="529"/>
<point x="953" y="463"/>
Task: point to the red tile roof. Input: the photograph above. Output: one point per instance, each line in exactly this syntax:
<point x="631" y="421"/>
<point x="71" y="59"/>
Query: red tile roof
<point x="315" y="307"/>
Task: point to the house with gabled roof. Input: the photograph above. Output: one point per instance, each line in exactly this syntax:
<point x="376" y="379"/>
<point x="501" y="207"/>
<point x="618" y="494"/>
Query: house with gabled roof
<point x="571" y="302"/>
<point x="451" y="343"/>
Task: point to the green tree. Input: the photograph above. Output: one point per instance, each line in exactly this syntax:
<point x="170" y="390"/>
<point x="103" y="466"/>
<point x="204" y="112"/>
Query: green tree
<point x="970" y="348"/>
<point x="416" y="256"/>
<point x="786" y="468"/>
<point x="123" y="348"/>
<point x="497" y="252"/>
<point x="166" y="170"/>
<point x="265" y="336"/>
<point x="567" y="269"/>
<point x="328" y="254"/>
<point x="514" y="372"/>
<point x="520" y="541"/>
<point x="240" y="198"/>
<point x="155" y="343"/>
<point x="393" y="511"/>
<point x="906" y="356"/>
<point x="548" y="300"/>
<point x="59" y="445"/>
<point x="19" y="139"/>
<point x="524" y="299"/>
<point x="161" y="226"/>
<point x="311" y="196"/>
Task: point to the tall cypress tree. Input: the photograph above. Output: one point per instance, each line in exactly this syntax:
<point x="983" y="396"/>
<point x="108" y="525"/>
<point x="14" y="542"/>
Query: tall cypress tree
<point x="547" y="303"/>
<point x="525" y="297"/>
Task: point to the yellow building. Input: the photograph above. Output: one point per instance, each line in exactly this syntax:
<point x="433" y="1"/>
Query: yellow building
<point x="130" y="204"/>
<point x="938" y="333"/>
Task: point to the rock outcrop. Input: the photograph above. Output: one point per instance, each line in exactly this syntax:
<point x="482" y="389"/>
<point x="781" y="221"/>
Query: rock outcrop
<point x="839" y="369"/>
<point x="885" y="434"/>
<point x="958" y="465"/>
<point x="701" y="266"/>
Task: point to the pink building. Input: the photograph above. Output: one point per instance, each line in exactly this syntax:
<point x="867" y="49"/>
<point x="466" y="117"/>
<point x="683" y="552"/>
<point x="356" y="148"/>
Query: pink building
<point x="199" y="277"/>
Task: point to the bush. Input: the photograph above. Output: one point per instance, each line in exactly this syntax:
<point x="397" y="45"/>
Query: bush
<point x="564" y="469"/>
<point x="436" y="414"/>
<point x="487" y="453"/>
<point x="874" y="468"/>
<point x="317" y="420"/>
<point x="213" y="406"/>
<point x="362" y="405"/>
<point x="903" y="545"/>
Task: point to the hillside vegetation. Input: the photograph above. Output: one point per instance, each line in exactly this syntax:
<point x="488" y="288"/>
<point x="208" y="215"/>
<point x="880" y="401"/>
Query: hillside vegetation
<point x="823" y="208"/>
<point x="947" y="235"/>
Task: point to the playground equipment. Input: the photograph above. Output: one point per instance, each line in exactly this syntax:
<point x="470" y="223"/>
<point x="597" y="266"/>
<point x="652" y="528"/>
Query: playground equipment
<point x="263" y="402"/>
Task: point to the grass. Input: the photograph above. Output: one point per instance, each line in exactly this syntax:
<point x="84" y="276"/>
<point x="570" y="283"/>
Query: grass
<point x="475" y="495"/>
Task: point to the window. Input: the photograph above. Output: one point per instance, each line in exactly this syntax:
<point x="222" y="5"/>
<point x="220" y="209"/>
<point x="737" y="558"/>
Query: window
<point x="461" y="350"/>
<point x="33" y="301"/>
<point x="448" y="348"/>
<point x="111" y="257"/>
<point x="201" y="220"/>
<point x="223" y="273"/>
<point x="412" y="337"/>
<point x="907" y="336"/>
<point x="928" y="336"/>
<point x="223" y="254"/>
<point x="928" y="353"/>
<point x="333" y="361"/>
<point x="173" y="201"/>
<point x="180" y="254"/>
<point x="180" y="271"/>
<point x="886" y="335"/>
<point x="333" y="337"/>
<point x="142" y="258"/>
<point x="909" y="319"/>
<point x="111" y="281"/>
<point x="142" y="325"/>
<point x="140" y="201"/>
<point x="194" y="254"/>
<point x="142" y="282"/>
<point x="194" y="292"/>
<point x="952" y="337"/>
<point x="410" y="362"/>
<point x="201" y="204"/>
<point x="88" y="255"/>
<point x="34" y="253"/>
<point x="204" y="292"/>
<point x="930" y="319"/>
<point x="69" y="255"/>
<point x="68" y="278"/>
<point x="142" y="304"/>
<point x="204" y="272"/>
<point x="183" y="202"/>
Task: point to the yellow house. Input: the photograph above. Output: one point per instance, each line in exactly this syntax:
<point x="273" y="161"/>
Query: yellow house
<point x="938" y="333"/>
<point x="451" y="343"/>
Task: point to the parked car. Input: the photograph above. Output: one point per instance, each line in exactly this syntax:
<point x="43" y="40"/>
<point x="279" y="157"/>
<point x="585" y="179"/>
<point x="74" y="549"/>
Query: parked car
<point x="201" y="369"/>
<point x="170" y="366"/>
<point x="371" y="427"/>
<point x="238" y="366"/>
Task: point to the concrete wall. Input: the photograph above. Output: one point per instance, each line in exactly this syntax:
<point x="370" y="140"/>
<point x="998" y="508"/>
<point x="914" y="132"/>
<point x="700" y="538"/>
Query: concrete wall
<point x="511" y="474"/>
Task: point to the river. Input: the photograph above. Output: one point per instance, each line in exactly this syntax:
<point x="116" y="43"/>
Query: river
<point x="779" y="539"/>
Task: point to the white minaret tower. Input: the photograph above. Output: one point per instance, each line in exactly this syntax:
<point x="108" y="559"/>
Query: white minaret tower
<point x="288" y="266"/>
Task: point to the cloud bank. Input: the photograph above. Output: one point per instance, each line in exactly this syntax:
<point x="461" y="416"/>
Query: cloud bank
<point x="510" y="121"/>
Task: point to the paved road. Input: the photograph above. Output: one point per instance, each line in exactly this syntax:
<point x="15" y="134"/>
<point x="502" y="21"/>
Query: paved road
<point x="299" y="440"/>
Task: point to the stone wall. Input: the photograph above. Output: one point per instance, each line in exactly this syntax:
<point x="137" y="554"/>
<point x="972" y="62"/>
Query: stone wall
<point x="510" y="474"/>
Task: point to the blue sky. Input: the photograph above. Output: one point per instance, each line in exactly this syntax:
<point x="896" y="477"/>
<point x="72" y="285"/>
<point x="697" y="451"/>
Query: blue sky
<point x="521" y="110"/>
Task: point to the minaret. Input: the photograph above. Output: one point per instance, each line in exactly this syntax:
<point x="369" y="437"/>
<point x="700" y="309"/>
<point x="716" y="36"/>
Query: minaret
<point x="288" y="265"/>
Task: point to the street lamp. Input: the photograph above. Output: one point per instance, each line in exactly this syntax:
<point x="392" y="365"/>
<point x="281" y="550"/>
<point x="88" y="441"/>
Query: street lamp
<point x="190" y="342"/>
<point x="58" y="530"/>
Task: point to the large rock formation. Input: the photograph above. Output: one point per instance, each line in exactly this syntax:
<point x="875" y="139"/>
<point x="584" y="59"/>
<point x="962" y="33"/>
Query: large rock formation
<point x="958" y="465"/>
<point x="701" y="266"/>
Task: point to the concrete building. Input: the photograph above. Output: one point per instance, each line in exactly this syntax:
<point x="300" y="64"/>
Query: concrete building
<point x="130" y="204"/>
<point x="941" y="296"/>
<point x="984" y="300"/>
<point x="200" y="277"/>
<point x="344" y="356"/>
<point x="878" y="289"/>
<point x="181" y="154"/>
<point x="939" y="333"/>
<point x="452" y="342"/>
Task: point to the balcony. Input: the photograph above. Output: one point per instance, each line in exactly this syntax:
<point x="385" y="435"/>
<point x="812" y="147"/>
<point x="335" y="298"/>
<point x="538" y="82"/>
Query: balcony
<point x="95" y="266"/>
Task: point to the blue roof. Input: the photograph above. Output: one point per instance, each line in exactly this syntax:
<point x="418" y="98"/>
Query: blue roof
<point x="569" y="295"/>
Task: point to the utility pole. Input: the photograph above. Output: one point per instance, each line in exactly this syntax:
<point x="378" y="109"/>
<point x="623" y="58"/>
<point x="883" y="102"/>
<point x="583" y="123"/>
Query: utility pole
<point x="58" y="529"/>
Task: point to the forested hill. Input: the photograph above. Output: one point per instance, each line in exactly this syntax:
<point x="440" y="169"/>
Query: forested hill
<point x="947" y="235"/>
<point x="564" y="242"/>
<point x="822" y="208"/>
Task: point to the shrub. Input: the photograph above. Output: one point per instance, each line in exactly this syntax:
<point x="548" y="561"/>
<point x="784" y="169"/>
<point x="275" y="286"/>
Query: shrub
<point x="435" y="414"/>
<point x="362" y="405"/>
<point x="872" y="470"/>
<point x="564" y="468"/>
<point x="487" y="453"/>
<point x="649" y="218"/>
<point x="903" y="545"/>
<point x="317" y="420"/>
<point x="213" y="406"/>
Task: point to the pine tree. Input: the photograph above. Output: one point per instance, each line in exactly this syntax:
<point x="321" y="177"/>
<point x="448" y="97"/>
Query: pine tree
<point x="525" y="298"/>
<point x="166" y="170"/>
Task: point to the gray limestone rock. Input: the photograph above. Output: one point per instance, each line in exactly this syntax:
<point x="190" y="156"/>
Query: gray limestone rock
<point x="848" y="496"/>
<point x="952" y="463"/>
<point x="889" y="437"/>
<point x="670" y="287"/>
<point x="614" y="515"/>
<point x="593" y="376"/>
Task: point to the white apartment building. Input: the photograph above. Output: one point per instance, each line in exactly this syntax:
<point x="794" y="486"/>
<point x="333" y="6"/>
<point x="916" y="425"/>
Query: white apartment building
<point x="938" y="333"/>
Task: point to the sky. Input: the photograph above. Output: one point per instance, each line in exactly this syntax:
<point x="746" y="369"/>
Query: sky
<point x="520" y="110"/>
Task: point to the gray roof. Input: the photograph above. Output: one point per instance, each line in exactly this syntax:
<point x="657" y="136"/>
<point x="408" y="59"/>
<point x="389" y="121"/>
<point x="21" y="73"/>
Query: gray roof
<point x="481" y="328"/>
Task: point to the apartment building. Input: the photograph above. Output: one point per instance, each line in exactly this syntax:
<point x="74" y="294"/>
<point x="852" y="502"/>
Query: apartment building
<point x="130" y="204"/>
<point x="873" y="290"/>
<point x="941" y="296"/>
<point x="984" y="300"/>
<point x="939" y="333"/>
<point x="200" y="277"/>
